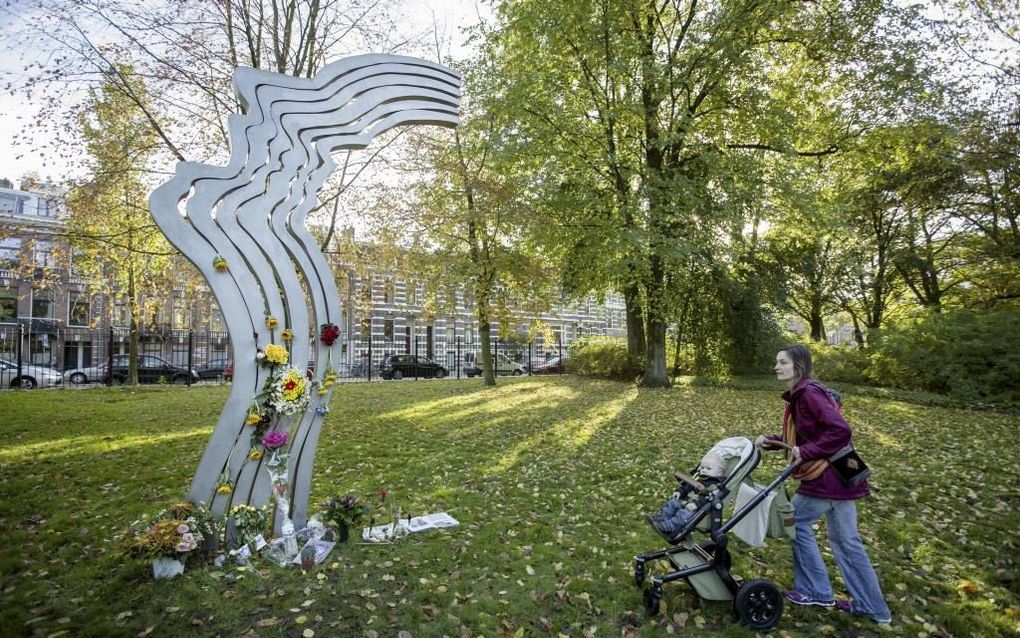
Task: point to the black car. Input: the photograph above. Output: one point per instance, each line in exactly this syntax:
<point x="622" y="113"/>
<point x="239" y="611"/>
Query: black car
<point x="398" y="366"/>
<point x="213" y="370"/>
<point x="151" y="369"/>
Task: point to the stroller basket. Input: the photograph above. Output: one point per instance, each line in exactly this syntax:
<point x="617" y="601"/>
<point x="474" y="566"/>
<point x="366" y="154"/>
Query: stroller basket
<point x="706" y="564"/>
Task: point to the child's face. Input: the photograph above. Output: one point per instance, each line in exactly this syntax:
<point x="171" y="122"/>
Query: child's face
<point x="713" y="465"/>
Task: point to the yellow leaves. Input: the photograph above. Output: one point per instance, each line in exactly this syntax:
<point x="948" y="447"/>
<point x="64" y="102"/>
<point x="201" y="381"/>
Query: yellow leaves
<point x="968" y="586"/>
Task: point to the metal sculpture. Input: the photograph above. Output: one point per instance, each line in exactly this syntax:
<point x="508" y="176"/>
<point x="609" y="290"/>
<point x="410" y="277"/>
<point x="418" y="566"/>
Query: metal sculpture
<point x="242" y="225"/>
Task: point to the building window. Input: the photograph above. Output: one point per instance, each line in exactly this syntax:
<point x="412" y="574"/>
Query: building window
<point x="181" y="316"/>
<point x="79" y="307"/>
<point x="8" y="304"/>
<point x="43" y="254"/>
<point x="42" y="304"/>
<point x="121" y="314"/>
<point x="388" y="330"/>
<point x="215" y="318"/>
<point x="10" y="251"/>
<point x="388" y="289"/>
<point x="41" y="350"/>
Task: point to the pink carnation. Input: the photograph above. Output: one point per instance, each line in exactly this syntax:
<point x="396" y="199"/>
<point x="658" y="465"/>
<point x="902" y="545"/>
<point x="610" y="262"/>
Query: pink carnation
<point x="274" y="439"/>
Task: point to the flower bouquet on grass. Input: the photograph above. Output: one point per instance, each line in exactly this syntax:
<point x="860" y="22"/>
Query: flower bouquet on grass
<point x="346" y="512"/>
<point x="247" y="523"/>
<point x="166" y="543"/>
<point x="172" y="535"/>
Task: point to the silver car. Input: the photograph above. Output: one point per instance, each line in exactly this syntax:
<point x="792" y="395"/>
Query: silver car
<point x="82" y="376"/>
<point x="32" y="376"/>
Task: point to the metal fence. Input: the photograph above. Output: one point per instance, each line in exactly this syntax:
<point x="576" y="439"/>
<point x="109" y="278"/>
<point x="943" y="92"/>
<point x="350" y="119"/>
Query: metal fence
<point x="82" y="357"/>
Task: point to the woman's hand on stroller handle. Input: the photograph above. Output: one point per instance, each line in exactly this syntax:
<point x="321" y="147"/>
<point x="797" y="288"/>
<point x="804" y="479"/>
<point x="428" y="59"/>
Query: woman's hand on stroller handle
<point x="763" y="442"/>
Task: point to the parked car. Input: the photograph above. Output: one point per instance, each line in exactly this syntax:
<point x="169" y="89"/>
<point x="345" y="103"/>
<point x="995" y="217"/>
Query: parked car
<point x="556" y="365"/>
<point x="82" y="376"/>
<point x="504" y="365"/>
<point x="398" y="366"/>
<point x="213" y="369"/>
<point x="151" y="369"/>
<point x="32" y="376"/>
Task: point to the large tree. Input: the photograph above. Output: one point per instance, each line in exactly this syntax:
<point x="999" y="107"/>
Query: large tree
<point x="115" y="242"/>
<point x="632" y="106"/>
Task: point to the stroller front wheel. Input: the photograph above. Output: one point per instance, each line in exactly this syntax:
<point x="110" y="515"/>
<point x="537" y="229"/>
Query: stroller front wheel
<point x="758" y="604"/>
<point x="639" y="573"/>
<point x="653" y="595"/>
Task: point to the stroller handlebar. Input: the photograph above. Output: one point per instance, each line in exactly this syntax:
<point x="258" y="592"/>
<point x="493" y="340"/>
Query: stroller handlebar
<point x="696" y="484"/>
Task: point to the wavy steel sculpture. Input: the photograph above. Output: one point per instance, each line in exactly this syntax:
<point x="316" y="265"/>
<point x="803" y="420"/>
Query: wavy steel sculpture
<point x="251" y="214"/>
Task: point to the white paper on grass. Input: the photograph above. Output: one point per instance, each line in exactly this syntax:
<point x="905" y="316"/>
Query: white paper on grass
<point x="383" y="533"/>
<point x="322" y="549"/>
<point x="752" y="528"/>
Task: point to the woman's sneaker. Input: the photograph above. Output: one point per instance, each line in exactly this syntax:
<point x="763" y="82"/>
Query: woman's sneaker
<point x="848" y="607"/>
<point x="798" y="598"/>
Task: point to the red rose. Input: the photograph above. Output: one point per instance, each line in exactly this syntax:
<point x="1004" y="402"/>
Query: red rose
<point x="329" y="333"/>
<point x="289" y="385"/>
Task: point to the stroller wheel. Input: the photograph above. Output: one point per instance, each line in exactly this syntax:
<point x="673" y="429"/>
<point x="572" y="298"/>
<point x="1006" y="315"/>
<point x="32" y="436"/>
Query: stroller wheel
<point x="758" y="604"/>
<point x="653" y="595"/>
<point x="639" y="573"/>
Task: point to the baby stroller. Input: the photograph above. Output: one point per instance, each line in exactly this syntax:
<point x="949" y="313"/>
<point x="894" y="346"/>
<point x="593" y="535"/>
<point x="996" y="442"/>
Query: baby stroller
<point x="706" y="565"/>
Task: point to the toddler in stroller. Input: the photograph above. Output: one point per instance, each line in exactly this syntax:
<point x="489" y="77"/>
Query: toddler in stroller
<point x="682" y="505"/>
<point x="705" y="565"/>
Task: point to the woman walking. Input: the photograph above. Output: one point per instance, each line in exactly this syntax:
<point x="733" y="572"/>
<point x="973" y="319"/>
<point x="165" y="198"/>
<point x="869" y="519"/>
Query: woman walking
<point x="814" y="430"/>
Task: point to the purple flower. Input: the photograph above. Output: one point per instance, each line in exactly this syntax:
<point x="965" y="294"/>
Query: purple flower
<point x="182" y="528"/>
<point x="274" y="439"/>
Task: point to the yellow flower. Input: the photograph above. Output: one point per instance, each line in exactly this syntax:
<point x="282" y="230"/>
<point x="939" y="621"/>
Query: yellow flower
<point x="322" y="391"/>
<point x="224" y="489"/>
<point x="287" y="334"/>
<point x="253" y="418"/>
<point x="271" y="322"/>
<point x="219" y="263"/>
<point x="277" y="354"/>
<point x="255" y="455"/>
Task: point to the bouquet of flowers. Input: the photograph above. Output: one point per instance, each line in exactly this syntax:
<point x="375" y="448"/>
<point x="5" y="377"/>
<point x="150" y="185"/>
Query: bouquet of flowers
<point x="348" y="510"/>
<point x="249" y="521"/>
<point x="167" y="538"/>
<point x="174" y="532"/>
<point x="289" y="391"/>
<point x="273" y="355"/>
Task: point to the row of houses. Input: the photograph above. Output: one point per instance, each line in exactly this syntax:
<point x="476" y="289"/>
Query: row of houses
<point x="52" y="315"/>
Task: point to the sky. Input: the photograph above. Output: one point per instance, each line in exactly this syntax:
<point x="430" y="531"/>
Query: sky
<point x="20" y="156"/>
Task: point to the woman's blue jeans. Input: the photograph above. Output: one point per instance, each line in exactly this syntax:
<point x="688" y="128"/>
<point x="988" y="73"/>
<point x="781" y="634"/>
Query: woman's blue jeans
<point x="809" y="573"/>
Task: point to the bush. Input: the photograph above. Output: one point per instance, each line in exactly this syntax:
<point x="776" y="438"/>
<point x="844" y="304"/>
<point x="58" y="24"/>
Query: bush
<point x="845" y="364"/>
<point x="603" y="357"/>
<point x="970" y="356"/>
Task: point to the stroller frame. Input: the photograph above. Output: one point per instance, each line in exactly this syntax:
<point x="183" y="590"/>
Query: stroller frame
<point x="706" y="565"/>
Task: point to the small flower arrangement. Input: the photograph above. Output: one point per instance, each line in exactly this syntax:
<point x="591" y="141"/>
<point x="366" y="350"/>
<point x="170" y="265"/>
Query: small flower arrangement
<point x="287" y="334"/>
<point x="176" y="532"/>
<point x="275" y="355"/>
<point x="329" y="333"/>
<point x="289" y="391"/>
<point x="348" y="510"/>
<point x="219" y="263"/>
<point x="249" y="521"/>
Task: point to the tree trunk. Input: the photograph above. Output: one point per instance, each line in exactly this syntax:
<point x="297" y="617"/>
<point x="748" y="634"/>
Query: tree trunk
<point x="655" y="375"/>
<point x="485" y="336"/>
<point x="655" y="360"/>
<point x="817" y="325"/>
<point x="133" y="305"/>
<point x="635" y="322"/>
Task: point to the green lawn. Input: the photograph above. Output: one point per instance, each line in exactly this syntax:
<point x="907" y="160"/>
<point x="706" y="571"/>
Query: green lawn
<point x="550" y="479"/>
